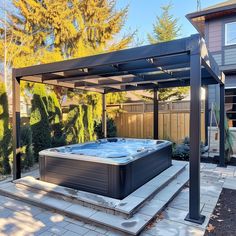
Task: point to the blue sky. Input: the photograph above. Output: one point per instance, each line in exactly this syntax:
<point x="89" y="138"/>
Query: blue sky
<point x="142" y="14"/>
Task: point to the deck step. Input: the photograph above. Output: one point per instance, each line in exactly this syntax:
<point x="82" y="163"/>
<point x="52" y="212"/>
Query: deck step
<point x="126" y="207"/>
<point x="130" y="226"/>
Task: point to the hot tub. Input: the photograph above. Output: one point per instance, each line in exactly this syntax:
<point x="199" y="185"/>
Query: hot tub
<point x="112" y="167"/>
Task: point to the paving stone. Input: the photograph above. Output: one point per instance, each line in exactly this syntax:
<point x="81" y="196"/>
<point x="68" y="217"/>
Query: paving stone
<point x="171" y="188"/>
<point x="144" y="191"/>
<point x="77" y="229"/>
<point x="181" y="203"/>
<point x="57" y="230"/>
<point x="129" y="203"/>
<point x="70" y="233"/>
<point x="170" y="228"/>
<point x="131" y="225"/>
<point x="54" y="202"/>
<point x="93" y="233"/>
<point x="80" y="210"/>
<point x="177" y="215"/>
<point x="21" y="206"/>
<point x="152" y="207"/>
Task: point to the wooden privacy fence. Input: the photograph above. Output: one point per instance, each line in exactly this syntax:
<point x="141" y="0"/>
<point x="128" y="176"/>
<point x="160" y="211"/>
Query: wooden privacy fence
<point x="135" y="120"/>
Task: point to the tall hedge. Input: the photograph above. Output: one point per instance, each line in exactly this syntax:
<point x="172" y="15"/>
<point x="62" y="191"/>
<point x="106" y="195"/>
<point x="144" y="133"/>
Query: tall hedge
<point x="39" y="120"/>
<point x="88" y="123"/>
<point x="5" y="133"/>
<point x="27" y="154"/>
<point x="75" y="125"/>
<point x="55" y="120"/>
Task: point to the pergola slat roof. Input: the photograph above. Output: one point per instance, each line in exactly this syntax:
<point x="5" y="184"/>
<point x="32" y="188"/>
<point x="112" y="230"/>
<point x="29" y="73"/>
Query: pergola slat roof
<point x="165" y="64"/>
<point x="182" y="62"/>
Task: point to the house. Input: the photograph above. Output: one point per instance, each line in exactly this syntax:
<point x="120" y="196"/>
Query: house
<point x="217" y="24"/>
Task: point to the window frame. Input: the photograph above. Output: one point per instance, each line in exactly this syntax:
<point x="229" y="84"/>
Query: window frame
<point x="226" y="37"/>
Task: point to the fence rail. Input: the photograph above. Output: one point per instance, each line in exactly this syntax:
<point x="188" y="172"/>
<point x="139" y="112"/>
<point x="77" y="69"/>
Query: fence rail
<point x="135" y="120"/>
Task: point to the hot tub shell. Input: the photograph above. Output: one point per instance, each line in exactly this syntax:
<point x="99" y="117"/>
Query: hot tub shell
<point x="104" y="176"/>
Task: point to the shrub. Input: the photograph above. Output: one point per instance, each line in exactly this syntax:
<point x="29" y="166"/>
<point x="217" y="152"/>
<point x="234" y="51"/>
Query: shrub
<point x="27" y="154"/>
<point x="182" y="151"/>
<point x="5" y="133"/>
<point x="88" y="123"/>
<point x="75" y="125"/>
<point x="55" y="120"/>
<point x="111" y="129"/>
<point x="39" y="122"/>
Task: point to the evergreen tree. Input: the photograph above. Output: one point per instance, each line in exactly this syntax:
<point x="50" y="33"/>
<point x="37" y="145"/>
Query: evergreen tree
<point x="39" y="122"/>
<point x="55" y="120"/>
<point x="75" y="131"/>
<point x="5" y="133"/>
<point x="27" y="154"/>
<point x="88" y="123"/>
<point x="52" y="30"/>
<point x="166" y="28"/>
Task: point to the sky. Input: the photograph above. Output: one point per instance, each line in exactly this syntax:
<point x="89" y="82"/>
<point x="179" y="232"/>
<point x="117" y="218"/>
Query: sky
<point x="142" y="14"/>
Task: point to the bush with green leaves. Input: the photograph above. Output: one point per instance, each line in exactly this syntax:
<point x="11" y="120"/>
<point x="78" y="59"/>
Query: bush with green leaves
<point x="182" y="151"/>
<point x="55" y="120"/>
<point x="39" y="121"/>
<point x="5" y="133"/>
<point x="27" y="154"/>
<point x="111" y="129"/>
<point x="75" y="125"/>
<point x="88" y="123"/>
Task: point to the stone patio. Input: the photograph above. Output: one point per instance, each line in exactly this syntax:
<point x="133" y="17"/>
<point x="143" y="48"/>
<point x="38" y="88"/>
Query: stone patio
<point x="17" y="218"/>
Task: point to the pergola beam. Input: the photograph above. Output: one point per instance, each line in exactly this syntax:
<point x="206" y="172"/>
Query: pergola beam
<point x="167" y="48"/>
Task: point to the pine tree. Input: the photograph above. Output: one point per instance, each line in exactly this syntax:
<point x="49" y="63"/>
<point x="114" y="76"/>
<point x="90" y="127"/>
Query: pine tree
<point x="53" y="30"/>
<point x="166" y="28"/>
<point x="5" y="133"/>
<point x="39" y="122"/>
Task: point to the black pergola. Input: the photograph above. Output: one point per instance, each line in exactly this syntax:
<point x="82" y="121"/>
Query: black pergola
<point x="182" y="62"/>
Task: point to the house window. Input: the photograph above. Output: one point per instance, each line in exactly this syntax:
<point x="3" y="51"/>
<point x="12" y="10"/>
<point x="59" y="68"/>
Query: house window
<point x="230" y="33"/>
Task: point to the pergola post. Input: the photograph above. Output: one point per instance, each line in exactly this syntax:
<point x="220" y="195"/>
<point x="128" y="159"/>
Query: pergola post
<point x="206" y="110"/>
<point x="222" y="126"/>
<point x="16" y="126"/>
<point x="195" y="138"/>
<point x="104" y="116"/>
<point x="155" y="113"/>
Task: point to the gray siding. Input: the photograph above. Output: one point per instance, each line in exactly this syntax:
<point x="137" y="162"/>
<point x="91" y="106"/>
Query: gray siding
<point x="215" y="38"/>
<point x="218" y="58"/>
<point x="214" y="35"/>
<point x="230" y="56"/>
<point x="230" y="81"/>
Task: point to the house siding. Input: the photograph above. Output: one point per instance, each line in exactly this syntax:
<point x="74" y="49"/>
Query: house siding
<point x="230" y="56"/>
<point x="214" y="35"/>
<point x="218" y="58"/>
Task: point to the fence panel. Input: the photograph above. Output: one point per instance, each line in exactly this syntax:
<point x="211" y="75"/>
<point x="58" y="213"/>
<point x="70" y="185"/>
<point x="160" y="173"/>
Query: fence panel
<point x="136" y="121"/>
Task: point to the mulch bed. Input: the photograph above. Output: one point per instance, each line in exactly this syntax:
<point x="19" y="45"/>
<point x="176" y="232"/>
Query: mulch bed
<point x="223" y="219"/>
<point x="215" y="160"/>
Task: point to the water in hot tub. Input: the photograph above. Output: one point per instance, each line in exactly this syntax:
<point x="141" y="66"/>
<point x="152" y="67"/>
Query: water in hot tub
<point x="112" y="149"/>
